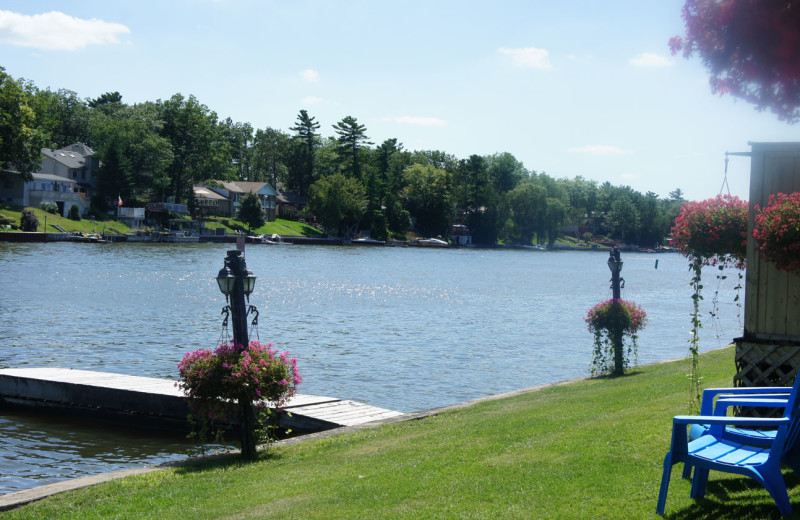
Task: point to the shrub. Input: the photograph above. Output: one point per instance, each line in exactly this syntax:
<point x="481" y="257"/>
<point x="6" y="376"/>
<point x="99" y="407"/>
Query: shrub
<point x="49" y="207"/>
<point x="28" y="221"/>
<point x="74" y="212"/>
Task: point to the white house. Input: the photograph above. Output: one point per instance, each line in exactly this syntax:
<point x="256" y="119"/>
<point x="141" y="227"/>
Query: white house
<point x="65" y="177"/>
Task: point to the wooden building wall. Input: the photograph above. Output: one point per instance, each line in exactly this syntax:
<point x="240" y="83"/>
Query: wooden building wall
<point x="772" y="297"/>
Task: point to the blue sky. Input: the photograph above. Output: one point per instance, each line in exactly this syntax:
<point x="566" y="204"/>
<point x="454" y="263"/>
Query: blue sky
<point x="569" y="88"/>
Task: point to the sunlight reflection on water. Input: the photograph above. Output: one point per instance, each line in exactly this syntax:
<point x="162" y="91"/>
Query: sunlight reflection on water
<point x="402" y="328"/>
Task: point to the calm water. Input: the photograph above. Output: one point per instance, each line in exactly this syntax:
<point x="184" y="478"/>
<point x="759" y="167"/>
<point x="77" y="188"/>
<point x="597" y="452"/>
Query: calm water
<point x="402" y="328"/>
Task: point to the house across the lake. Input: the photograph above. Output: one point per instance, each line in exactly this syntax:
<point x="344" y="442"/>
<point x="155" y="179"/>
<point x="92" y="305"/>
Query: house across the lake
<point x="223" y="197"/>
<point x="65" y="177"/>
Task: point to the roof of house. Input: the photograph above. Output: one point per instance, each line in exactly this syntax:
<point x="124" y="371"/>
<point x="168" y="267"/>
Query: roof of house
<point x="201" y="192"/>
<point x="49" y="177"/>
<point x="72" y="156"/>
<point x="262" y="188"/>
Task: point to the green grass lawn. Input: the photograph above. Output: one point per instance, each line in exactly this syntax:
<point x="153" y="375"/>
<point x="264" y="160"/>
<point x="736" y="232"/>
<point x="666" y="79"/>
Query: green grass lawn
<point x="588" y="449"/>
<point x="86" y="225"/>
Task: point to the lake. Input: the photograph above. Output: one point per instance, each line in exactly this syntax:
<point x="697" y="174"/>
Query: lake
<point x="401" y="328"/>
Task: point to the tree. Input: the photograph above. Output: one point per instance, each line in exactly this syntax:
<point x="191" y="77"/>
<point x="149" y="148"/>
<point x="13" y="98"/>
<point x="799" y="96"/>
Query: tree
<point x="750" y="47"/>
<point x="623" y="219"/>
<point x="506" y="172"/>
<point x="196" y="140"/>
<point x="338" y="203"/>
<point x="676" y="195"/>
<point x="270" y="150"/>
<point x="113" y="178"/>
<point x="20" y="141"/>
<point x="352" y="138"/>
<point x="251" y="212"/>
<point x="428" y="198"/>
<point x="302" y="165"/>
<point x="528" y="203"/>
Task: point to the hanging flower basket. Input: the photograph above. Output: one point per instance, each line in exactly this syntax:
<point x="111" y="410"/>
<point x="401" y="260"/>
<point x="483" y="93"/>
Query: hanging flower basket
<point x="605" y="320"/>
<point x="777" y="231"/>
<point x="257" y="374"/>
<point x="713" y="231"/>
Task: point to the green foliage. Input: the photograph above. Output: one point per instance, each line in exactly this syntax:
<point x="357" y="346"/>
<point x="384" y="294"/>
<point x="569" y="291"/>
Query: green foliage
<point x="379" y="228"/>
<point x="250" y="211"/>
<point x="49" y="207"/>
<point x="428" y="198"/>
<point x="156" y="151"/>
<point x="28" y="221"/>
<point x="351" y="139"/>
<point x="338" y="202"/>
<point x="20" y="140"/>
<point x="74" y="212"/>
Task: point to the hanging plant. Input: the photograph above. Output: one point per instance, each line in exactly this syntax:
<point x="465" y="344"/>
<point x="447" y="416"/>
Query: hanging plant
<point x="710" y="232"/>
<point x="257" y="375"/>
<point x="610" y="321"/>
<point x="713" y="231"/>
<point x="777" y="231"/>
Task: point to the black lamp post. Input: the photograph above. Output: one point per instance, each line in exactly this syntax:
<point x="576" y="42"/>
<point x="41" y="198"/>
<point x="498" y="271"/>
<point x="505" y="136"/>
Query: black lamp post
<point x="615" y="265"/>
<point x="236" y="282"/>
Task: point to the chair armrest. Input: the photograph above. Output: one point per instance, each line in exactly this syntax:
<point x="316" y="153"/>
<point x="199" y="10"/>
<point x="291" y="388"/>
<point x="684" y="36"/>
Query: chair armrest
<point x="758" y="401"/>
<point x="707" y="403"/>
<point x="733" y="421"/>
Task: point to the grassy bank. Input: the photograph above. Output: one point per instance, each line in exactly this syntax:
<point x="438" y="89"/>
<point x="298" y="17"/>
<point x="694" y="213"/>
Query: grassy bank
<point x="590" y="449"/>
<point x="279" y="226"/>
<point x="84" y="225"/>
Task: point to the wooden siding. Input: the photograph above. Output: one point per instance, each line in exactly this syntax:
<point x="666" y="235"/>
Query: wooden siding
<point x="772" y="297"/>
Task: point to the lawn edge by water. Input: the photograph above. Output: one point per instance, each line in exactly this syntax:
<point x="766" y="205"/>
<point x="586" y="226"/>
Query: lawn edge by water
<point x="500" y="415"/>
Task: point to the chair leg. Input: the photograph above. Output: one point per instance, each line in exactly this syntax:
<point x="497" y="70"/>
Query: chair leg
<point x="774" y="483"/>
<point x="662" y="493"/>
<point x="687" y="471"/>
<point x="699" y="483"/>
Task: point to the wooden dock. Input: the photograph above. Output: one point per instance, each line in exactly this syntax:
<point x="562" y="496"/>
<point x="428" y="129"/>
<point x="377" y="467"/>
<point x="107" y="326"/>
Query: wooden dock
<point x="153" y="402"/>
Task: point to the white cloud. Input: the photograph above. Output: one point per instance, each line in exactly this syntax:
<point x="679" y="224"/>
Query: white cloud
<point x="417" y="121"/>
<point x="599" y="149"/>
<point x="629" y="176"/>
<point x="312" y="100"/>
<point x="648" y="59"/>
<point x="527" y="57"/>
<point x="310" y="75"/>
<point x="56" y="31"/>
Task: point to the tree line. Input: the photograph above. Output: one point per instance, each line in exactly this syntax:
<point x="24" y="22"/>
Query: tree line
<point x="158" y="150"/>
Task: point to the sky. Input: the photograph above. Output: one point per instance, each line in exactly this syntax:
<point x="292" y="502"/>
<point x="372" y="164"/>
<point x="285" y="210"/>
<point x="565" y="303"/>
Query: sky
<point x="579" y="88"/>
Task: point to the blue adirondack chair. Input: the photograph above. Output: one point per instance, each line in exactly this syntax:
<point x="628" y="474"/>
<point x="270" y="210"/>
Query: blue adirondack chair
<point x="767" y="397"/>
<point x="716" y="450"/>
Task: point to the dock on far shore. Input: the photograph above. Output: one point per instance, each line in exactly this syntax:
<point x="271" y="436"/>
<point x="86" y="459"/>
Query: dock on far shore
<point x="154" y="403"/>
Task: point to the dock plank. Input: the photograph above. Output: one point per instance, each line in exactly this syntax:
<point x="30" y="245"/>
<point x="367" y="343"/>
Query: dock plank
<point x="148" y="395"/>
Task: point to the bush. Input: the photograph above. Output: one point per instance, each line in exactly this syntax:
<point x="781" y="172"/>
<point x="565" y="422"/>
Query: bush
<point x="28" y="221"/>
<point x="49" y="207"/>
<point x="74" y="212"/>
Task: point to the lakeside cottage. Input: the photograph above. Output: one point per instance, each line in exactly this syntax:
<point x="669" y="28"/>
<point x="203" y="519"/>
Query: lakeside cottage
<point x="66" y="176"/>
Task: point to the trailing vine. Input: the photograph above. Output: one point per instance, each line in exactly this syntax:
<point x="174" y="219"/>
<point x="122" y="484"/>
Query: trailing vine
<point x="694" y="343"/>
<point x="712" y="232"/>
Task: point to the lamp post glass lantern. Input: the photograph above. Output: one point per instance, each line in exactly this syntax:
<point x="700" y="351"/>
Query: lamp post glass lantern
<point x="236" y="282"/>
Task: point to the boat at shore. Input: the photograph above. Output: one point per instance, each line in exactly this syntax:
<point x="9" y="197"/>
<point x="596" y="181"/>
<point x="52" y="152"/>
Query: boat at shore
<point x="432" y="242"/>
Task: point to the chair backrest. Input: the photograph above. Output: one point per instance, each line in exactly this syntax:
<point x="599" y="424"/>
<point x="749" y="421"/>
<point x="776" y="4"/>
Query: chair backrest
<point x="787" y="434"/>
